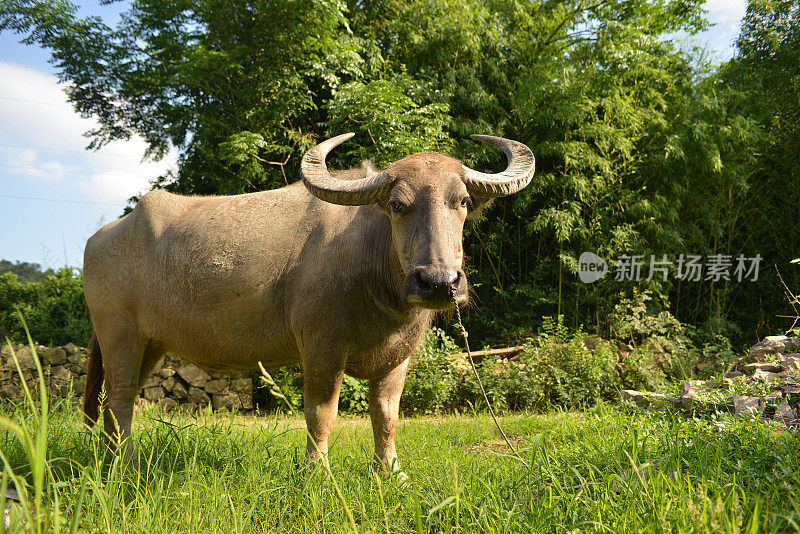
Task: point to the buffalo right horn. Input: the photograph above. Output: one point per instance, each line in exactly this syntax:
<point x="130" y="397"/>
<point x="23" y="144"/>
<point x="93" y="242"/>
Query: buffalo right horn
<point x="322" y="185"/>
<point x="517" y="175"/>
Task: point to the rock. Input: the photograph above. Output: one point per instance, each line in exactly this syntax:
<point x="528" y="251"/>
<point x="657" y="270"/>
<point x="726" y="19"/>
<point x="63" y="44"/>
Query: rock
<point x="56" y="356"/>
<point x="792" y="364"/>
<point x="769" y="345"/>
<point x="179" y="391"/>
<point x="193" y="375"/>
<point x="748" y="407"/>
<point x="242" y="385"/>
<point x="198" y="396"/>
<point x="770" y="367"/>
<point x="71" y="348"/>
<point x="190" y="407"/>
<point x="784" y="413"/>
<point x="157" y="367"/>
<point x="641" y="398"/>
<point x="691" y="386"/>
<point x="217" y="386"/>
<point x="167" y="403"/>
<point x="227" y="401"/>
<point x="77" y="359"/>
<point x="246" y="400"/>
<point x="167" y="372"/>
<point x="78" y="385"/>
<point x="60" y="373"/>
<point x="154" y="394"/>
<point x="152" y="382"/>
<point x="766" y="376"/>
<point x="791" y="344"/>
<point x="169" y="383"/>
<point x="733" y="374"/>
<point x="25" y="359"/>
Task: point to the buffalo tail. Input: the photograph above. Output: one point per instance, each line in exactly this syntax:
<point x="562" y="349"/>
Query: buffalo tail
<point x="94" y="382"/>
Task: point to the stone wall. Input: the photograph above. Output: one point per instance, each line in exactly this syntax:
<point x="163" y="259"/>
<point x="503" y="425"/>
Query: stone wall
<point x="765" y="385"/>
<point x="174" y="383"/>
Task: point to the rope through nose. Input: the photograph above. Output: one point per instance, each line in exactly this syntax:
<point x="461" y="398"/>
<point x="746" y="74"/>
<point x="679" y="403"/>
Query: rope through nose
<point x="459" y="326"/>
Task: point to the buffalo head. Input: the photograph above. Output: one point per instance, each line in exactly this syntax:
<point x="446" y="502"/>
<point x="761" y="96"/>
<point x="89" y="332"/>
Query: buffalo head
<point x="427" y="197"/>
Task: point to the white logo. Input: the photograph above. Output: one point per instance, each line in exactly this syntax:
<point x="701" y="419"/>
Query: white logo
<point x="591" y="267"/>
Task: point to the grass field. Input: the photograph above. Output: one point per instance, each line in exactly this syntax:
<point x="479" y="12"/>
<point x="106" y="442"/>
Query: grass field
<point x="608" y="469"/>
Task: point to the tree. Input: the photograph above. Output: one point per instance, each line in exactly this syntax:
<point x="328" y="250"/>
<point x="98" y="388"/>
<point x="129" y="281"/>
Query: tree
<point x="641" y="147"/>
<point x="231" y="85"/>
<point x="26" y="272"/>
<point x="763" y="77"/>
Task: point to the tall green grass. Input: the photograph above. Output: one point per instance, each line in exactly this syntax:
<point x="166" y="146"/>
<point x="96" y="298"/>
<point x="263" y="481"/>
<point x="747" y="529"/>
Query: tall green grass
<point x="608" y="469"/>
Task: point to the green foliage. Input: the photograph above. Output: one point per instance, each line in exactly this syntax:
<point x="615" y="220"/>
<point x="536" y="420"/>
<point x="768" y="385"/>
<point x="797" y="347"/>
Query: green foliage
<point x="13" y="295"/>
<point x="290" y="383"/>
<point x="642" y="146"/>
<point x="233" y="85"/>
<point x="565" y="370"/>
<point x="431" y="378"/>
<point x="55" y="308"/>
<point x="641" y="370"/>
<point x="354" y="396"/>
<point x="390" y="123"/>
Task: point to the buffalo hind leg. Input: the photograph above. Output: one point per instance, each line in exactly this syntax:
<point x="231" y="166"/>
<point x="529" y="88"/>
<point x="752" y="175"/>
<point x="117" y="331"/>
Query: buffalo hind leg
<point x="122" y="361"/>
<point x="321" y="387"/>
<point x="384" y="409"/>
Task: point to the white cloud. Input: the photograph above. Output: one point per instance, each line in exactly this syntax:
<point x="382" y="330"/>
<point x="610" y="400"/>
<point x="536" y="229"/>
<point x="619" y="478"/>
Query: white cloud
<point x="34" y="113"/>
<point x="26" y="162"/>
<point x="726" y="11"/>
<point x="726" y="16"/>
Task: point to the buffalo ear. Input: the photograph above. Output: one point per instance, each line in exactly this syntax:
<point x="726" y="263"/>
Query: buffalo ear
<point x="478" y="204"/>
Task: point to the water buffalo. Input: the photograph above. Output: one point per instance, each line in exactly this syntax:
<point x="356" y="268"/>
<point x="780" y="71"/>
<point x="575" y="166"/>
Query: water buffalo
<point x="342" y="273"/>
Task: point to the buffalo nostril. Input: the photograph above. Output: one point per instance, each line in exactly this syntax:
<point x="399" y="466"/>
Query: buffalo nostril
<point x="457" y="280"/>
<point x="423" y="285"/>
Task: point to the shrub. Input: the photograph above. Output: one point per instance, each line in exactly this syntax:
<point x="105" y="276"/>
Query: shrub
<point x="14" y="294"/>
<point x="290" y="382"/>
<point x="431" y="378"/>
<point x="663" y="345"/>
<point x="60" y="315"/>
<point x="639" y="369"/>
<point x="555" y="368"/>
<point x="354" y="397"/>
<point x="568" y="372"/>
<point x="55" y="308"/>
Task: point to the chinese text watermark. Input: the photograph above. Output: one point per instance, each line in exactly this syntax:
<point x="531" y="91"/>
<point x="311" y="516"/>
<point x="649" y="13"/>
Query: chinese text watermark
<point x="686" y="267"/>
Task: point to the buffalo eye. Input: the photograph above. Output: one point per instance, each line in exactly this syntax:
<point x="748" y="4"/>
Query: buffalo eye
<point x="466" y="202"/>
<point x="395" y="206"/>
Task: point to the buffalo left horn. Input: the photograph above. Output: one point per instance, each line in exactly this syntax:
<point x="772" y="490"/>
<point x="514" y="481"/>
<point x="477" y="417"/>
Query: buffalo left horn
<point x="517" y="175"/>
<point x="322" y="185"/>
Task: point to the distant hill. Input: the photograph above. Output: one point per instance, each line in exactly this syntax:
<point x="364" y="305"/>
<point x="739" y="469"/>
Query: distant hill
<point x="26" y="272"/>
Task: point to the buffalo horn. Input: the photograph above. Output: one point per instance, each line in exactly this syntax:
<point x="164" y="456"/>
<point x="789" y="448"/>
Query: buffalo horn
<point x="324" y="186"/>
<point x="521" y="165"/>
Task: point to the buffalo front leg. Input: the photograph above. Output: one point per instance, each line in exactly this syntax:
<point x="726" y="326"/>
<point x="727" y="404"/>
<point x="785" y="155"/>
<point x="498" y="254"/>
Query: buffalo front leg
<point x="384" y="409"/>
<point x="321" y="399"/>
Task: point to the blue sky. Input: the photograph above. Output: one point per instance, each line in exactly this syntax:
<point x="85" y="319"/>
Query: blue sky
<point x="54" y="194"/>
